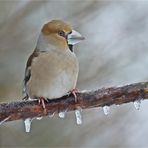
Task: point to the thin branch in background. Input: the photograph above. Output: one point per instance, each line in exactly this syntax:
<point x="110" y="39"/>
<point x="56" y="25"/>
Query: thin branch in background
<point x="104" y="97"/>
<point x="4" y="120"/>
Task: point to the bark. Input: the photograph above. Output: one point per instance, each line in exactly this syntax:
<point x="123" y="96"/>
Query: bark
<point x="85" y="99"/>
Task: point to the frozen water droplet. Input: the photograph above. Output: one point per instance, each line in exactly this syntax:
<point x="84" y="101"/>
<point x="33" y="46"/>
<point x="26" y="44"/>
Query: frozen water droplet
<point x="50" y="115"/>
<point x="78" y="116"/>
<point x="28" y="124"/>
<point x="137" y="104"/>
<point x="39" y="118"/>
<point x="62" y="114"/>
<point x="106" y="109"/>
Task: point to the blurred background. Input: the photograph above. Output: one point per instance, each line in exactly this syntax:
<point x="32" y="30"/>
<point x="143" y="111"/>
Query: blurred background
<point x="114" y="53"/>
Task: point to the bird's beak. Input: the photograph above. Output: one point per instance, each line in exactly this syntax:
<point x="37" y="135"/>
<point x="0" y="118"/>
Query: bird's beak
<point x="74" y="37"/>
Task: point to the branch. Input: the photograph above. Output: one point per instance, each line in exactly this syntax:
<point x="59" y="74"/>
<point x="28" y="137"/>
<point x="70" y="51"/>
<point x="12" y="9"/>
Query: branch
<point x="86" y="99"/>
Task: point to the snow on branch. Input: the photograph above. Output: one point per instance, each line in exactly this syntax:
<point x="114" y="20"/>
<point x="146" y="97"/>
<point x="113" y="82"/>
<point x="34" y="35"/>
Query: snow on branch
<point x="104" y="97"/>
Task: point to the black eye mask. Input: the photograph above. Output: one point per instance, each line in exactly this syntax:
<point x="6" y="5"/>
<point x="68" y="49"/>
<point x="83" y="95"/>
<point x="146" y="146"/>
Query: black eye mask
<point x="63" y="34"/>
<point x="70" y="47"/>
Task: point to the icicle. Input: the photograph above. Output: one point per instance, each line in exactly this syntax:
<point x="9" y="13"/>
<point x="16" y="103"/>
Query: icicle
<point x="27" y="124"/>
<point x="62" y="114"/>
<point x="137" y="104"/>
<point x="50" y="115"/>
<point x="78" y="116"/>
<point x="39" y="118"/>
<point x="3" y="121"/>
<point x="106" y="109"/>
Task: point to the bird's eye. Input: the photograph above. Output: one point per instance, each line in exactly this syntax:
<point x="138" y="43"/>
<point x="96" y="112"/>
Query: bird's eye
<point x="61" y="33"/>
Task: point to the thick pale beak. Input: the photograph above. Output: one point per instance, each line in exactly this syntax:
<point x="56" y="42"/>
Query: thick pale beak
<point x="74" y="37"/>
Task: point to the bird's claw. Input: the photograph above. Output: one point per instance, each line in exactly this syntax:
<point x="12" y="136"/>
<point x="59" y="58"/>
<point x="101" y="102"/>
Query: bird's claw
<point x="73" y="92"/>
<point x="42" y="100"/>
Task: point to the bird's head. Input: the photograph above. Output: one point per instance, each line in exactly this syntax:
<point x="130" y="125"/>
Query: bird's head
<point x="60" y="34"/>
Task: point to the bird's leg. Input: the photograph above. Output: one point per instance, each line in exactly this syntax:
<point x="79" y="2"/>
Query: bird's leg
<point x="42" y="100"/>
<point x="73" y="92"/>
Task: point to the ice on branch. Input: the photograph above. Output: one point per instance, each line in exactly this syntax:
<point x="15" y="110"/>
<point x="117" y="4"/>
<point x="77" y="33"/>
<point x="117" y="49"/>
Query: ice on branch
<point x="27" y="123"/>
<point x="78" y="116"/>
<point x="62" y="114"/>
<point x="50" y="115"/>
<point x="106" y="110"/>
<point x="39" y="118"/>
<point x="137" y="104"/>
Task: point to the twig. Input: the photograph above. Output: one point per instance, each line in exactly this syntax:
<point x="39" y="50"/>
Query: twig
<point x="86" y="99"/>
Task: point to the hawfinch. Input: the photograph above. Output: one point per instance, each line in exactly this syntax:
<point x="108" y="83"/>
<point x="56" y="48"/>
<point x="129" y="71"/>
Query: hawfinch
<point x="52" y="69"/>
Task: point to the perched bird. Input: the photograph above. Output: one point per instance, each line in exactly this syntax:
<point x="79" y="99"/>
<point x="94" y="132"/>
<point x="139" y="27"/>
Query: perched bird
<point x="52" y="69"/>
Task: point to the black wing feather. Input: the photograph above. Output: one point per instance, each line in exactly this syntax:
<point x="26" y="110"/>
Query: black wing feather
<point x="28" y="73"/>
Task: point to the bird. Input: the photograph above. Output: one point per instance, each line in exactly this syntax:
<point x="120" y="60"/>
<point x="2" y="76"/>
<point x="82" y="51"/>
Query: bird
<point x="52" y="69"/>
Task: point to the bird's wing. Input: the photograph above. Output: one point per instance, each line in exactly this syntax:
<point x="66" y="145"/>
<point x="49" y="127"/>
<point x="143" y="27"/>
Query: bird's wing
<point x="28" y="72"/>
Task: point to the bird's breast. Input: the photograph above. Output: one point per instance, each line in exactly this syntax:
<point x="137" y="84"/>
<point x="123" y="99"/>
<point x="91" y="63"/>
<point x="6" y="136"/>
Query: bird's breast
<point x="53" y="74"/>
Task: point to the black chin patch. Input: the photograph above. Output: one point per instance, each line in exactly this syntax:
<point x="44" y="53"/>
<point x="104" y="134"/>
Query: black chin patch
<point x="71" y="47"/>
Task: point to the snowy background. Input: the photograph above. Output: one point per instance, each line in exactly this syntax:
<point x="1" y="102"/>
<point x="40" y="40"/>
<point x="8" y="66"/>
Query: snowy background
<point x="114" y="53"/>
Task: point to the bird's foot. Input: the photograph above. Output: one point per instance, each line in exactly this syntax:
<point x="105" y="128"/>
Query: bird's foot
<point x="73" y="92"/>
<point x="42" y="101"/>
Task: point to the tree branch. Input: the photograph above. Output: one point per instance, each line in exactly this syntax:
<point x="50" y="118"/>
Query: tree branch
<point x="86" y="99"/>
